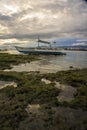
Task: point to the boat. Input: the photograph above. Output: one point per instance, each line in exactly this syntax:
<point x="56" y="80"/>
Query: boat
<point x="40" y="50"/>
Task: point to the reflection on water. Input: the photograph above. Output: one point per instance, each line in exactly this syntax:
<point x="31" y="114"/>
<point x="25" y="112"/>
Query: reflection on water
<point x="77" y="59"/>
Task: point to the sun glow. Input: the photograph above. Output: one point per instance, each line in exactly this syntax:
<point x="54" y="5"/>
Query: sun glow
<point x="11" y="9"/>
<point x="33" y="15"/>
<point x="4" y="29"/>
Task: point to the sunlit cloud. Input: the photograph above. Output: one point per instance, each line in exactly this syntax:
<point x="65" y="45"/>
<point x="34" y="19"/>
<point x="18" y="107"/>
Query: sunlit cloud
<point x="82" y="40"/>
<point x="79" y="44"/>
<point x="3" y="30"/>
<point x="11" y="9"/>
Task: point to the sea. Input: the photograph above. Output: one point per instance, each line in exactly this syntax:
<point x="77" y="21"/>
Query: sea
<point x="52" y="64"/>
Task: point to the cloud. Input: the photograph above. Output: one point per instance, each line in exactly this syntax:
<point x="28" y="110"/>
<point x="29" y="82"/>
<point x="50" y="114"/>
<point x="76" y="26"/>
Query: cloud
<point x="25" y="19"/>
<point x="79" y="44"/>
<point x="4" y="17"/>
<point x="82" y="40"/>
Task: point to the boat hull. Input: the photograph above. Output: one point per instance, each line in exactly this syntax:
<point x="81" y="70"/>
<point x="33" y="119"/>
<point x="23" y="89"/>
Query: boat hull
<point x="39" y="51"/>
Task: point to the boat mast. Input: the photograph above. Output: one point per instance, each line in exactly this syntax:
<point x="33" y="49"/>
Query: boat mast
<point x="38" y="41"/>
<point x="41" y="41"/>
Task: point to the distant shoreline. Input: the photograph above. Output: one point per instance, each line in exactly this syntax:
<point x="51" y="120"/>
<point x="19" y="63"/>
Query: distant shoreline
<point x="75" y="49"/>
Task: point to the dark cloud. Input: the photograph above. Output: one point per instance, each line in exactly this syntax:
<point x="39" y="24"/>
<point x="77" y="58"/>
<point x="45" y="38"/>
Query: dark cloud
<point x="5" y="17"/>
<point x="18" y="36"/>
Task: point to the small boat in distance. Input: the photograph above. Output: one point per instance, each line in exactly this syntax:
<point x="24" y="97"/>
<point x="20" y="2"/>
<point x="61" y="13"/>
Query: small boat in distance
<point x="40" y="50"/>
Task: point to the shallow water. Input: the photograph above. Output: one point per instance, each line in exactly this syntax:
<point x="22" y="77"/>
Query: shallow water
<point x="4" y="84"/>
<point x="50" y="64"/>
<point x="67" y="92"/>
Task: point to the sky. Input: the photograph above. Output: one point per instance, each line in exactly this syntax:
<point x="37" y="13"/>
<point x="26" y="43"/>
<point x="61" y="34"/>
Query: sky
<point x="21" y="21"/>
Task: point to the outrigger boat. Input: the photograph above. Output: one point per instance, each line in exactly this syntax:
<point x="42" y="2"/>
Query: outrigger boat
<point x="40" y="50"/>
